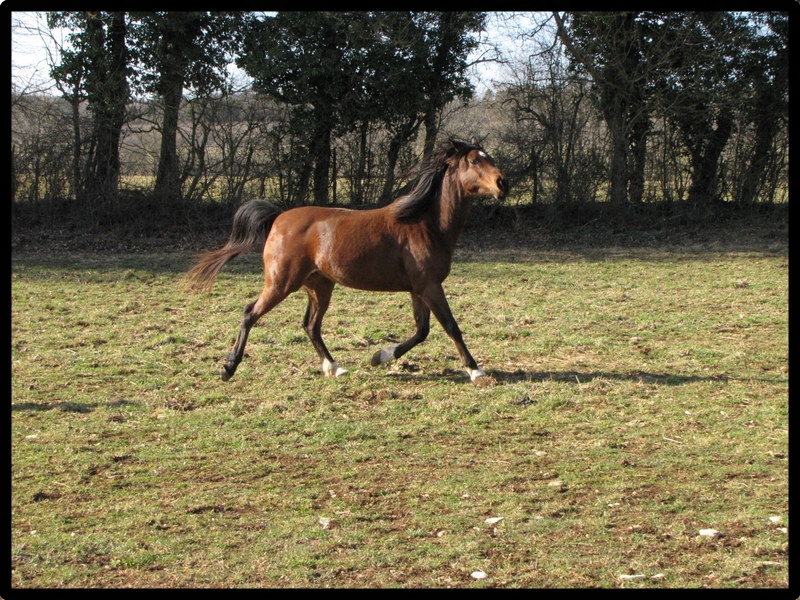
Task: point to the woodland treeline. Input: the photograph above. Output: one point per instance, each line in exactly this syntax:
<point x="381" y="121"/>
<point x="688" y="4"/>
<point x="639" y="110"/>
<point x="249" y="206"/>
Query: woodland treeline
<point x="620" y="107"/>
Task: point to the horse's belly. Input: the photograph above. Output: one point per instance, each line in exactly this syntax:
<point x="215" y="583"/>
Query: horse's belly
<point x="368" y="273"/>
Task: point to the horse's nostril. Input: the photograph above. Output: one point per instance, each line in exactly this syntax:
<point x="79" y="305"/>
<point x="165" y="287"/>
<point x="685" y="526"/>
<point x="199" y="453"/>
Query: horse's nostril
<point x="502" y="184"/>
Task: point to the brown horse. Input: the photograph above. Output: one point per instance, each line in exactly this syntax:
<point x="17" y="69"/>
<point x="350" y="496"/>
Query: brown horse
<point x="406" y="246"/>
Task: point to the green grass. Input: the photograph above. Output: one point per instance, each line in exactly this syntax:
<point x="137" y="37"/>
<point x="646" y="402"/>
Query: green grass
<point x="636" y="397"/>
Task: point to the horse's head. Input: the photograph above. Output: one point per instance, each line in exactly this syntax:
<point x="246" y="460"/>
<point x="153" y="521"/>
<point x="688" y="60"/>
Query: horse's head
<point x="476" y="171"/>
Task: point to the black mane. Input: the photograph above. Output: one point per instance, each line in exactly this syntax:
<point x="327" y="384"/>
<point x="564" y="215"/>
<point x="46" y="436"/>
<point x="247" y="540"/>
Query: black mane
<point x="428" y="183"/>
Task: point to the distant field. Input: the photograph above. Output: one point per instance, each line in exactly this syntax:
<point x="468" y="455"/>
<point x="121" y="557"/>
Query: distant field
<point x="638" y="397"/>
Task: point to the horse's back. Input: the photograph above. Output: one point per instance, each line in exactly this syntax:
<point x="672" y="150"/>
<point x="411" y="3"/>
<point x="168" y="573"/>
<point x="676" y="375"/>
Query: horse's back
<point x="343" y="226"/>
<point x="356" y="248"/>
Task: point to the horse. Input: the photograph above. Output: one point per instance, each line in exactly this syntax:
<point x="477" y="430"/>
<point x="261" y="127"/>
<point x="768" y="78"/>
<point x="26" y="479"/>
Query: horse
<point x="404" y="246"/>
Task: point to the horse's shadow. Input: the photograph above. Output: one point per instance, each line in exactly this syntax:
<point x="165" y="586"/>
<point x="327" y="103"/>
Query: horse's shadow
<point x="580" y="377"/>
<point x="69" y="406"/>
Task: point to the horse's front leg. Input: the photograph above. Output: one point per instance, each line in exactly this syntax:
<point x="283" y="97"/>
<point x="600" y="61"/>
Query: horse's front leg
<point x="435" y="299"/>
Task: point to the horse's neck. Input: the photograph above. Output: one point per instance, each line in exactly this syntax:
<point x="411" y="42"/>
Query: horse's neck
<point x="451" y="212"/>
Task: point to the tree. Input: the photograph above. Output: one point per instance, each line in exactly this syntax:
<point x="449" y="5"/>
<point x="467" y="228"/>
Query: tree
<point x="695" y="70"/>
<point x="550" y="106"/>
<point x="343" y="70"/>
<point x="432" y="48"/>
<point x="446" y="41"/>
<point x="700" y="87"/>
<point x="178" y="49"/>
<point x="311" y="62"/>
<point x="613" y="49"/>
<point x="767" y="68"/>
<point x="96" y="69"/>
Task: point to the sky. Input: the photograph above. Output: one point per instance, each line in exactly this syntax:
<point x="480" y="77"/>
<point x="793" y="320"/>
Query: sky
<point x="29" y="48"/>
<point x="31" y="41"/>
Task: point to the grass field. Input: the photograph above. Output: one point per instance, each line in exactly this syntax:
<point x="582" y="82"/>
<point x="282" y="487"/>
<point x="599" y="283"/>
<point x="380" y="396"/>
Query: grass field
<point x="638" y="396"/>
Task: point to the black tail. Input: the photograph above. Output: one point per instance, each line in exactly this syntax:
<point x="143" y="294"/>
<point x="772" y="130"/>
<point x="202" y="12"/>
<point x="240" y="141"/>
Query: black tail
<point x="251" y="225"/>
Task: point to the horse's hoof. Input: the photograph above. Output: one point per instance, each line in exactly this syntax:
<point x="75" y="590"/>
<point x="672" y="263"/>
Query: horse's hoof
<point x="476" y="373"/>
<point x="331" y="369"/>
<point x="383" y="356"/>
<point x="225" y="375"/>
<point x="481" y="378"/>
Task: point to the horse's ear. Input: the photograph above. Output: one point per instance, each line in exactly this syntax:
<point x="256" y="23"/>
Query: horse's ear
<point x="474" y="141"/>
<point x="456" y="146"/>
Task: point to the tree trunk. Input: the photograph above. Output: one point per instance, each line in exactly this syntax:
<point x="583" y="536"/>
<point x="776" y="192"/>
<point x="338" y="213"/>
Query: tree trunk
<point x="77" y="175"/>
<point x="618" y="193"/>
<point x="431" y="121"/>
<point x="767" y="122"/>
<point x="168" y="180"/>
<point x="357" y="191"/>
<point x="396" y="143"/>
<point x="108" y="100"/>
<point x="705" y="173"/>
<point x="638" y="155"/>
<point x="321" y="154"/>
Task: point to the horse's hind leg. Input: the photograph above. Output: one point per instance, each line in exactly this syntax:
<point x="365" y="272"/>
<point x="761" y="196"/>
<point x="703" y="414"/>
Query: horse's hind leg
<point x="252" y="312"/>
<point x="319" y="290"/>
<point x="422" y="317"/>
